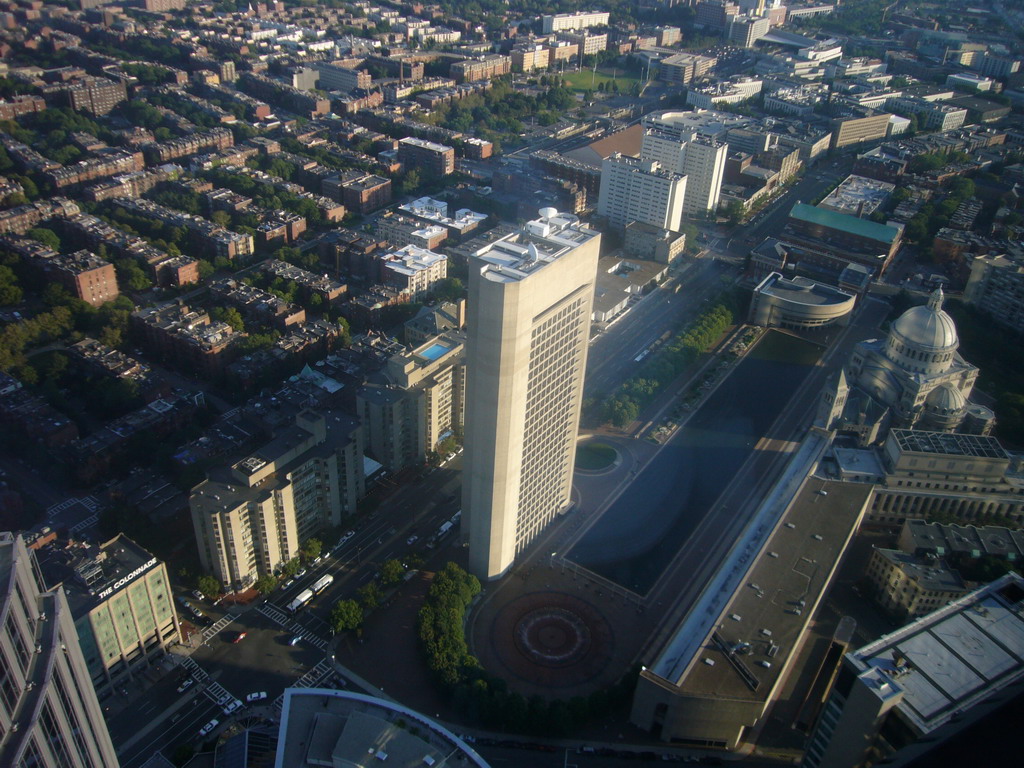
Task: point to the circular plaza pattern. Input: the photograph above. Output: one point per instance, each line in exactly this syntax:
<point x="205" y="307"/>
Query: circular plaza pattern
<point x="553" y="639"/>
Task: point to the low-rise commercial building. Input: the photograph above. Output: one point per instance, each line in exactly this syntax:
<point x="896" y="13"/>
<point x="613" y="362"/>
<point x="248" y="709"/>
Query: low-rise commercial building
<point x="799" y="303"/>
<point x="121" y="602"/>
<point x="864" y="242"/>
<point x="907" y="587"/>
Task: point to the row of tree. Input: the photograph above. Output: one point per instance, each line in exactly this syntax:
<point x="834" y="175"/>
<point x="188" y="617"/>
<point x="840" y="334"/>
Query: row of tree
<point x="347" y="615"/>
<point x="636" y="392"/>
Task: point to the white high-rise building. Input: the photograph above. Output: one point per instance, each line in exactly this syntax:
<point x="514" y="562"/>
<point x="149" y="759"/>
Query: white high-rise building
<point x="530" y="297"/>
<point x="640" y="190"/>
<point x="699" y="158"/>
<point x="704" y="166"/>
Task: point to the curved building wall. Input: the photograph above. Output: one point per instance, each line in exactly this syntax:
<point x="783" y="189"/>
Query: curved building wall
<point x="799" y="303"/>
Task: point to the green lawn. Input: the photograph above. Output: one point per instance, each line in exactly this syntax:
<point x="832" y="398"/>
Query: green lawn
<point x="581" y="81"/>
<point x="591" y="455"/>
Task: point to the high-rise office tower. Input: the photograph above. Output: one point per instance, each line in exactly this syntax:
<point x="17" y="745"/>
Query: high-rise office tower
<point x="530" y="296"/>
<point x="49" y="714"/>
<point x="640" y="190"/>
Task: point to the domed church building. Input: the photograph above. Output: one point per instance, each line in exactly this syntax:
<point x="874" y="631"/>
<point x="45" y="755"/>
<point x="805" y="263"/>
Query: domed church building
<point x="914" y="379"/>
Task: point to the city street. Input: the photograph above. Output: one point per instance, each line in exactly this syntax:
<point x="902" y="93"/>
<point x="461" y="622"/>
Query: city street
<point x="264" y="661"/>
<point x="612" y="356"/>
<point x="770" y="220"/>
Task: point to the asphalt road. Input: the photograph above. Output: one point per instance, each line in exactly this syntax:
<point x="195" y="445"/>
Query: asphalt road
<point x="770" y="220"/>
<point x="264" y="660"/>
<point x="612" y="355"/>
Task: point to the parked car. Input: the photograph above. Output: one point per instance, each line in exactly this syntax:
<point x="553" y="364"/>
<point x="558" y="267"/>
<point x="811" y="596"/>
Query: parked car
<point x="232" y="706"/>
<point x="412" y="540"/>
<point x="287" y="583"/>
<point x="209" y="727"/>
<point x="295" y="640"/>
<point x="301" y="573"/>
<point x="197" y="594"/>
<point x="186" y="684"/>
<point x="256" y="696"/>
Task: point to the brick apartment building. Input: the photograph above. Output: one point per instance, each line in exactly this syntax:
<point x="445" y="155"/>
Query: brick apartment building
<point x="428" y="156"/>
<point x="361" y="193"/>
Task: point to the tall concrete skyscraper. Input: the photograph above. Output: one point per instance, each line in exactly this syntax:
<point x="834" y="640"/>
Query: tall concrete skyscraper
<point x="530" y="297"/>
<point x="49" y="714"/>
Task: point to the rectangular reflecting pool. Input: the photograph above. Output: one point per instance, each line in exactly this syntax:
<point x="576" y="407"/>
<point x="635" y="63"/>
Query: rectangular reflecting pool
<point x="646" y="526"/>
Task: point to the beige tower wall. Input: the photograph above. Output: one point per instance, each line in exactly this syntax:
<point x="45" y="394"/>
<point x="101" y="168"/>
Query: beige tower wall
<point x="503" y="315"/>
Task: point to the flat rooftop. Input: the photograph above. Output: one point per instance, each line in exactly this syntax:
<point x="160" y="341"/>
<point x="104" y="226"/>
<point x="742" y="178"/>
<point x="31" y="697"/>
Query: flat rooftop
<point x="540" y="242"/>
<point x="949" y="443"/>
<point x="858" y="196"/>
<point x="844" y="223"/>
<point x="88" y="571"/>
<point x="321" y="727"/>
<point x="800" y="290"/>
<point x="951" y="659"/>
<point x="766" y="616"/>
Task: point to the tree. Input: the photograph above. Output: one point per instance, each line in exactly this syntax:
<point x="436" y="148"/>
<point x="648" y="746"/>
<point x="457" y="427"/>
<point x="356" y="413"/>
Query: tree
<point x="130" y="274"/>
<point x="229" y="315"/>
<point x="291" y="568"/>
<point x="369" y="595"/>
<point x="265" y="584"/>
<point x="209" y="586"/>
<point x="734" y="212"/>
<point x="450" y="289"/>
<point x="312" y="548"/>
<point x="45" y="236"/>
<point x="346" y="615"/>
<point x="391" y="572"/>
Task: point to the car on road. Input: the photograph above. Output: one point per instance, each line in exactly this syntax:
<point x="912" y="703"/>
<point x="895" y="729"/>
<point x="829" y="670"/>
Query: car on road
<point x="186" y="684"/>
<point x="252" y="698"/>
<point x="232" y="706"/>
<point x="238" y="637"/>
<point x="412" y="540"/>
<point x="209" y="727"/>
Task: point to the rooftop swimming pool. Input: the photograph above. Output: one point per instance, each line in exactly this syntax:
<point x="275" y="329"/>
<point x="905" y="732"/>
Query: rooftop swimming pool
<point x="434" y="351"/>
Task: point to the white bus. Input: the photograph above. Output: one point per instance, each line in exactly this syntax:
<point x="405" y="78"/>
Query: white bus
<point x="321" y="584"/>
<point x="443" y="531"/>
<point x="300" y="600"/>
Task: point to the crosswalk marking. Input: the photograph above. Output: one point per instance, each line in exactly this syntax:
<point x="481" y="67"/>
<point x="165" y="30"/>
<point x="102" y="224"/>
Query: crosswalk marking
<point x="213" y="629"/>
<point x="285" y="621"/>
<point x="91" y="520"/>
